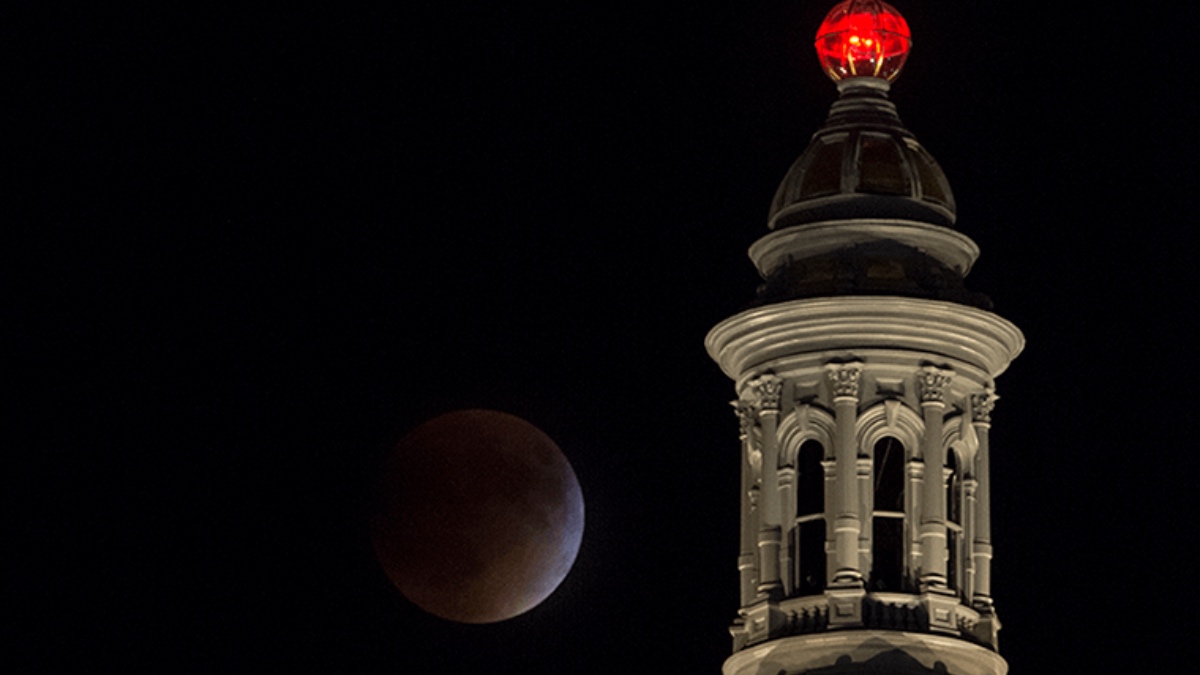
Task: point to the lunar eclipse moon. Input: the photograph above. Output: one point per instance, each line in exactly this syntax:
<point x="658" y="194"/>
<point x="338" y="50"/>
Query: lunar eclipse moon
<point x="478" y="517"/>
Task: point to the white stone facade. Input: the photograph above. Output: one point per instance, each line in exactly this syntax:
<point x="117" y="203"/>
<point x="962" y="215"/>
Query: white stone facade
<point x="848" y="373"/>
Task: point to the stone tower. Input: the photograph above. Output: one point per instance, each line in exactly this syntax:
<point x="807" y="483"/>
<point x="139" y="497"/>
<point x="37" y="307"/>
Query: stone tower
<point x="865" y="377"/>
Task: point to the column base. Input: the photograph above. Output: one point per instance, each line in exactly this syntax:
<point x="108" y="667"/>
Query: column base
<point x="846" y="604"/>
<point x="941" y="605"/>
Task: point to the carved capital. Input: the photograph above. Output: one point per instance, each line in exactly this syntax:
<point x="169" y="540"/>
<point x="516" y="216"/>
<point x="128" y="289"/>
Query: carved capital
<point x="981" y="406"/>
<point x="932" y="383"/>
<point x="767" y="390"/>
<point x="844" y="378"/>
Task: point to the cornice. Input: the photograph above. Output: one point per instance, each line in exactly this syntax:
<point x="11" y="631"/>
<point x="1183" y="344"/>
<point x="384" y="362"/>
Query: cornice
<point x="931" y="329"/>
<point x="954" y="249"/>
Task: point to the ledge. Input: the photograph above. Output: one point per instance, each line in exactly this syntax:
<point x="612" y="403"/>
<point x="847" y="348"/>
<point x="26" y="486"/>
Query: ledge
<point x="819" y="327"/>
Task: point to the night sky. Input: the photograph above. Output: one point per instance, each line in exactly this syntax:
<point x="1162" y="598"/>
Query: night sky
<point x="253" y="246"/>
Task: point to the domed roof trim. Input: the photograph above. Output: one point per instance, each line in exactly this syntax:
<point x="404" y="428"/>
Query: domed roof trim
<point x="863" y="172"/>
<point x="863" y="163"/>
<point x="953" y="249"/>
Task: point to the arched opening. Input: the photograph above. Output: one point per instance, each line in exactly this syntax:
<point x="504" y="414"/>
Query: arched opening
<point x="887" y="521"/>
<point x="810" y="519"/>
<point x="954" y="524"/>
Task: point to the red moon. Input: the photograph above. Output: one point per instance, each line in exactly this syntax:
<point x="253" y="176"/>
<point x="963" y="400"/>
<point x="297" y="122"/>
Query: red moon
<point x="479" y="516"/>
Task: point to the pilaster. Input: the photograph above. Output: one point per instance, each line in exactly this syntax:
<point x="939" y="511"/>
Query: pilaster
<point x="932" y="383"/>
<point x="748" y="551"/>
<point x="982" y="404"/>
<point x="844" y="381"/>
<point x="767" y="391"/>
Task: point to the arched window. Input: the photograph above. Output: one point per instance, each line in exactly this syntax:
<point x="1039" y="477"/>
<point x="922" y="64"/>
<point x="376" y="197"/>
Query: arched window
<point x="810" y="519"/>
<point x="887" y="521"/>
<point x="954" y="528"/>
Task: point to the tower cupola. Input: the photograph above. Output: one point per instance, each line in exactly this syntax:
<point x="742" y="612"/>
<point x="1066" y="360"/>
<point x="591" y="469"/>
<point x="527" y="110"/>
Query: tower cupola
<point x="865" y="209"/>
<point x="865" y="377"/>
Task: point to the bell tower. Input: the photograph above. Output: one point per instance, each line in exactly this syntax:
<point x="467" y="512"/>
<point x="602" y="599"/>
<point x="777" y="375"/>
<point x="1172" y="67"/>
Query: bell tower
<point x="865" y="376"/>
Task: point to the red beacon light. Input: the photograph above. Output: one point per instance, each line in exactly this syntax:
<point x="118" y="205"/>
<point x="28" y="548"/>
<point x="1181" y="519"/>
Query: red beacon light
<point x="863" y="38"/>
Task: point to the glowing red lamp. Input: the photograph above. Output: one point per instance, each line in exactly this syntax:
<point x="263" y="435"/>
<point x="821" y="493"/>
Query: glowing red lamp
<point x="863" y="38"/>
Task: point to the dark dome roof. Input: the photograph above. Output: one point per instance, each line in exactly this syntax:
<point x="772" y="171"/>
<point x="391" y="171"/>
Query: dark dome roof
<point x="863" y="164"/>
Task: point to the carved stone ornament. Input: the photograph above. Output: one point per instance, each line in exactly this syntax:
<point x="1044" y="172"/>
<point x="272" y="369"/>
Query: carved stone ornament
<point x="745" y="414"/>
<point x="932" y="383"/>
<point x="803" y="417"/>
<point x="767" y="389"/>
<point x="754" y="459"/>
<point x="981" y="406"/>
<point x="844" y="378"/>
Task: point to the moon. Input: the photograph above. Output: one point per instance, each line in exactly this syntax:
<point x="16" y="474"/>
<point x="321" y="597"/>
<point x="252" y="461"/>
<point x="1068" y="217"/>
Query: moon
<point x="479" y="516"/>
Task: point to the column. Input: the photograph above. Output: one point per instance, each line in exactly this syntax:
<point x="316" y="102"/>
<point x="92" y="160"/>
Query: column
<point x="914" y="493"/>
<point x="829" y="466"/>
<point x="932" y="384"/>
<point x="981" y="549"/>
<point x="846" y="525"/>
<point x="970" y="497"/>
<point x="866" y="506"/>
<point x="747" y="553"/>
<point x="787" y="500"/>
<point x="767" y="390"/>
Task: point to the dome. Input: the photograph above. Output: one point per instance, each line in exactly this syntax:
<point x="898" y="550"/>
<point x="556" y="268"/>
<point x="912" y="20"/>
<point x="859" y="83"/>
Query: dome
<point x="863" y="164"/>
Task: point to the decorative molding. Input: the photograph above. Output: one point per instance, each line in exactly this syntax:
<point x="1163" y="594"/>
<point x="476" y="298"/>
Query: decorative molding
<point x="932" y="383"/>
<point x="767" y="390"/>
<point x="915" y="468"/>
<point x="970" y="488"/>
<point x="905" y="426"/>
<point x="954" y="428"/>
<point x="891" y="408"/>
<point x="946" y="245"/>
<point x="982" y="405"/>
<point x="844" y="379"/>
<point x="802" y="418"/>
<point x="830" y="467"/>
<point x="812" y="619"/>
<point x="808" y="422"/>
<point x="969" y="339"/>
<point x="754" y="457"/>
<point x="969" y="438"/>
<point x="745" y="414"/>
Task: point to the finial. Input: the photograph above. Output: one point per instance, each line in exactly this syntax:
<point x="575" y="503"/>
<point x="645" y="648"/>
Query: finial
<point x="863" y="38"/>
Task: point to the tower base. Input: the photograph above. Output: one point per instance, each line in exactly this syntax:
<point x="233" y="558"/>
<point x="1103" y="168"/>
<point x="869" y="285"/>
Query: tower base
<point x="866" y="652"/>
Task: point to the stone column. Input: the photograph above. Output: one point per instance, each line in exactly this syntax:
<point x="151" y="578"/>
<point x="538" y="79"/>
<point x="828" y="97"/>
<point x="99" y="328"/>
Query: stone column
<point x="866" y="506"/>
<point x="747" y="553"/>
<point x="829" y="467"/>
<point x="787" y="497"/>
<point x="914" y="493"/>
<point x="970" y="497"/>
<point x="932" y="384"/>
<point x="844" y="380"/>
<point x="767" y="390"/>
<point x="981" y="549"/>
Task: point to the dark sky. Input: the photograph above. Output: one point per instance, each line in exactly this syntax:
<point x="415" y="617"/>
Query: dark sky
<point x="259" y="244"/>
